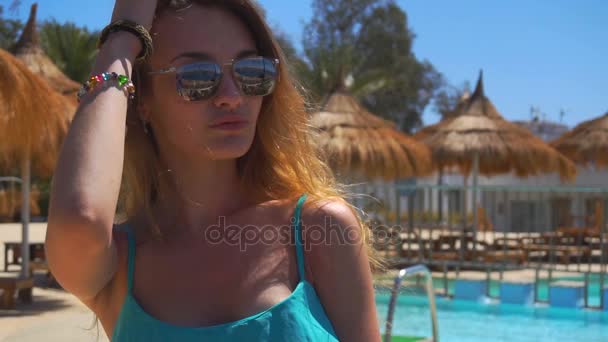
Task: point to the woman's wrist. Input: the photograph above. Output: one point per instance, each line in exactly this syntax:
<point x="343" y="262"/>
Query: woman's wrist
<point x="133" y="28"/>
<point x="124" y="44"/>
<point x="121" y="46"/>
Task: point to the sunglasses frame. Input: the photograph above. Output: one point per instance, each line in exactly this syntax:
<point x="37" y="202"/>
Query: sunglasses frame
<point x="174" y="69"/>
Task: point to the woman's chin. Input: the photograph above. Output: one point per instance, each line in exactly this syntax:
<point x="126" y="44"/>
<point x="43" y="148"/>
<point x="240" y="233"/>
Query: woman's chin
<point x="227" y="152"/>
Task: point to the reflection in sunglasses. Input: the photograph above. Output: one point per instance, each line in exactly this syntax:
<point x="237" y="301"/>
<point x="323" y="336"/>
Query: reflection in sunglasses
<point x="254" y="76"/>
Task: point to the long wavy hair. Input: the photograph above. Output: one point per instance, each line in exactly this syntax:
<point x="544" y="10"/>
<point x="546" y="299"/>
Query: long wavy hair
<point x="282" y="163"/>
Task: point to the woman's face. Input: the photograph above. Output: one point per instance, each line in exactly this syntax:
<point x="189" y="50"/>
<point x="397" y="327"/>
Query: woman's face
<point x="192" y="35"/>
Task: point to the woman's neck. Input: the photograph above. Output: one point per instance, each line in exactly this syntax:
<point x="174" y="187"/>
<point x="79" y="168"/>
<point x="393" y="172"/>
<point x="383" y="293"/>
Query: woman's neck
<point x="197" y="195"/>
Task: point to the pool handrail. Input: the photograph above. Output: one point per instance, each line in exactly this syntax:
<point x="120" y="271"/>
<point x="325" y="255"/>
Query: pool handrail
<point x="11" y="179"/>
<point x="408" y="272"/>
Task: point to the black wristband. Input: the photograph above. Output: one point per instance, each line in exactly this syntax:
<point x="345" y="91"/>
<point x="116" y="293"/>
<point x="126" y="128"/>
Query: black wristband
<point x="129" y="26"/>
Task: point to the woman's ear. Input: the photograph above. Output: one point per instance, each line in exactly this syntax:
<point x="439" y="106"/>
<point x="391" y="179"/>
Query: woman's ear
<point x="142" y="103"/>
<point x="143" y="111"/>
<point x="144" y="117"/>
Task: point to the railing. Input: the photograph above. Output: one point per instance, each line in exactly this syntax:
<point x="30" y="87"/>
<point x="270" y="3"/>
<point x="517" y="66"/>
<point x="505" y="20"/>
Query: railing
<point x="519" y="231"/>
<point x="408" y="272"/>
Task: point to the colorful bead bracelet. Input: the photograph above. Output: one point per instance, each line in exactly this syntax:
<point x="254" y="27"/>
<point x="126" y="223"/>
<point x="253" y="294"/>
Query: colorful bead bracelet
<point x="94" y="81"/>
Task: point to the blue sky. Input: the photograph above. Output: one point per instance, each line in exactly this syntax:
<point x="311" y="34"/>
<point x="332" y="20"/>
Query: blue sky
<point x="552" y="54"/>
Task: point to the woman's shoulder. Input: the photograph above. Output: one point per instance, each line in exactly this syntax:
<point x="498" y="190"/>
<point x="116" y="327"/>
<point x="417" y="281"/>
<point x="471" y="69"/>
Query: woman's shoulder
<point x="333" y="218"/>
<point x="313" y="208"/>
<point x="319" y="209"/>
<point x="332" y="235"/>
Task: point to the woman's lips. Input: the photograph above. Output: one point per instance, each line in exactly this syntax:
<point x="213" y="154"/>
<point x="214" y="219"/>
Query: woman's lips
<point x="231" y="126"/>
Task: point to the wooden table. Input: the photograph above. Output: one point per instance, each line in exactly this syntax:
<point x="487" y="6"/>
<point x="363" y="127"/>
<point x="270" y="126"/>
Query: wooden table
<point x="451" y="240"/>
<point x="10" y="285"/>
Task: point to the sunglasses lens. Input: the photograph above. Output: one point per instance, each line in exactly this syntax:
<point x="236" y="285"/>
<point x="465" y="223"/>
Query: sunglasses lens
<point x="255" y="76"/>
<point x="198" y="81"/>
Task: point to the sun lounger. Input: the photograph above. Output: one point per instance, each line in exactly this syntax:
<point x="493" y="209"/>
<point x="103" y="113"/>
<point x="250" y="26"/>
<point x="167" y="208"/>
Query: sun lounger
<point x="555" y="246"/>
<point x="593" y="231"/>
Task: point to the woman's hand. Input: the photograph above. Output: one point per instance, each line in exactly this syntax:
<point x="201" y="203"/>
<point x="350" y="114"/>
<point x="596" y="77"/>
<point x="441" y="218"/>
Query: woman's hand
<point x="139" y="11"/>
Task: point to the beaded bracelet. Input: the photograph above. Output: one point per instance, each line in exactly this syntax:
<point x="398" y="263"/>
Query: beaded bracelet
<point x="123" y="82"/>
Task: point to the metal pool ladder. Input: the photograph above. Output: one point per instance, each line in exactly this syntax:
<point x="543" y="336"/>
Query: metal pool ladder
<point x="409" y="272"/>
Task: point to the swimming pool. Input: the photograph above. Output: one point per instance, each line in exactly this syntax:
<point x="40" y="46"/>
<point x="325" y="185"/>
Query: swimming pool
<point x="463" y="321"/>
<point x="542" y="295"/>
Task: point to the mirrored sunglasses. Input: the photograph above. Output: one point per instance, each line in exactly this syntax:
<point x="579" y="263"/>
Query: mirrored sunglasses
<point x="253" y="76"/>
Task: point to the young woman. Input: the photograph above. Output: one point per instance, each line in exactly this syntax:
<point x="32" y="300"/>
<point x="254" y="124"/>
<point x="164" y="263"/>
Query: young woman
<point x="235" y="230"/>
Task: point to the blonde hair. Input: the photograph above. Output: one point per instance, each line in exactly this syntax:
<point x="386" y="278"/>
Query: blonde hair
<point x="282" y="163"/>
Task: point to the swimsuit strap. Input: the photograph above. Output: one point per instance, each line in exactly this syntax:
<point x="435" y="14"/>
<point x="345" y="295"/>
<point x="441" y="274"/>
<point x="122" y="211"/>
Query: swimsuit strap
<point x="131" y="256"/>
<point x="298" y="239"/>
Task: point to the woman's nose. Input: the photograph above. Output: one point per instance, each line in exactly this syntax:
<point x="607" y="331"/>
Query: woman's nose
<point x="228" y="95"/>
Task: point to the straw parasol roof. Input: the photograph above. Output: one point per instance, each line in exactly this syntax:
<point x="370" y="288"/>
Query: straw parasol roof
<point x="10" y="203"/>
<point x="360" y="144"/>
<point x="43" y="117"/>
<point x="501" y="146"/>
<point x="29" y="51"/>
<point x="33" y="117"/>
<point x="33" y="120"/>
<point x="587" y="143"/>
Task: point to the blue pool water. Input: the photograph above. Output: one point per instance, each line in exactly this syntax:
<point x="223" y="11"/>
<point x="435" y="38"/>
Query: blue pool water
<point x="463" y="321"/>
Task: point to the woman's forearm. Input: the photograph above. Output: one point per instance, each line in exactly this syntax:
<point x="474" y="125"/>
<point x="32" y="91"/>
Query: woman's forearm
<point x="87" y="179"/>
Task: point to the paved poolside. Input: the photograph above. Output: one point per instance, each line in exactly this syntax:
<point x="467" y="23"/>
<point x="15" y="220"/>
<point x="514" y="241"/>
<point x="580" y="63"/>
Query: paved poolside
<point x="54" y="315"/>
<point x="57" y="316"/>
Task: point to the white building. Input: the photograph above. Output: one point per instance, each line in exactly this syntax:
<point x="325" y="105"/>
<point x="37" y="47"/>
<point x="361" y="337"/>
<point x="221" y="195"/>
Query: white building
<point x="540" y="203"/>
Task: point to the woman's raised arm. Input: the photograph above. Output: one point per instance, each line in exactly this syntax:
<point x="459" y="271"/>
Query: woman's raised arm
<point x="79" y="244"/>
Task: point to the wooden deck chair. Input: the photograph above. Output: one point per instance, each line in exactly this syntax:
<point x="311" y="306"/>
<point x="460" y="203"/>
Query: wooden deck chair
<point x="594" y="230"/>
<point x="561" y="248"/>
<point x="5" y="214"/>
<point x="599" y="217"/>
<point x="483" y="222"/>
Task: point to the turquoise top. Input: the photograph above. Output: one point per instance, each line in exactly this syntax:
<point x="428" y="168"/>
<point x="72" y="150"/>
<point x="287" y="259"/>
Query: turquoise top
<point x="299" y="317"/>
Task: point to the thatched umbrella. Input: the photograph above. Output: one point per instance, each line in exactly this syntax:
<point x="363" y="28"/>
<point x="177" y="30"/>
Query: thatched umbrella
<point x="29" y="51"/>
<point x="360" y="145"/>
<point x="41" y="127"/>
<point x="9" y="200"/>
<point x="587" y="143"/>
<point x="33" y="120"/>
<point x="479" y="140"/>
